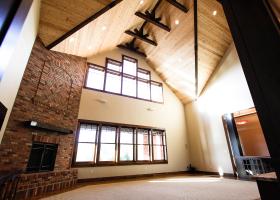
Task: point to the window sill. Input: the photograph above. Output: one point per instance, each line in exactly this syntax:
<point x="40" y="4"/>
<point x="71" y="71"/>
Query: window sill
<point x="118" y="94"/>
<point x="81" y="165"/>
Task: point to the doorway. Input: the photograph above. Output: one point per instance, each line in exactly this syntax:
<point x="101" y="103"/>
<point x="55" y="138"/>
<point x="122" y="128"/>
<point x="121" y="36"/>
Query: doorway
<point x="246" y="142"/>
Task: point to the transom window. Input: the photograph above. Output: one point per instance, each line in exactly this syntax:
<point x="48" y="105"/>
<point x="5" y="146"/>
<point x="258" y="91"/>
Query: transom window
<point x="124" y="78"/>
<point x="113" y="144"/>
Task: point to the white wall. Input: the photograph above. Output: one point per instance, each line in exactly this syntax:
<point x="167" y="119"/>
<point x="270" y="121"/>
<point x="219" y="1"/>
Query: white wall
<point x="169" y="115"/>
<point x="10" y="83"/>
<point x="226" y="92"/>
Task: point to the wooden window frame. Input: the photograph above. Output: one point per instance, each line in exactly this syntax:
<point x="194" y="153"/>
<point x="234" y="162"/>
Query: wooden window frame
<point x="163" y="145"/>
<point x="159" y="84"/>
<point x="96" y="67"/>
<point x="106" y="70"/>
<point x="117" y="162"/>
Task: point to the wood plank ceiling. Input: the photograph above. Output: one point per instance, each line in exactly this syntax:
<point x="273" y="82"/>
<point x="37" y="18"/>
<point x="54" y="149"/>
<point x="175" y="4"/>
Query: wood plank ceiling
<point x="173" y="57"/>
<point x="59" y="16"/>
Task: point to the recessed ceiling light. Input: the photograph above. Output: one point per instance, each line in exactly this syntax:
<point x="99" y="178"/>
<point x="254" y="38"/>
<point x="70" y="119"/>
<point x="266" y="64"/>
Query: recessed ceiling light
<point x="215" y="12"/>
<point x="72" y="39"/>
<point x="141" y="2"/>
<point x="104" y="28"/>
<point x="90" y="47"/>
<point x="177" y="22"/>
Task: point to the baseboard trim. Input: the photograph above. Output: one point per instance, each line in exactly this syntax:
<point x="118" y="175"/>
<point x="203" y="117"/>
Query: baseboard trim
<point x="154" y="175"/>
<point x="230" y="175"/>
<point x="127" y="177"/>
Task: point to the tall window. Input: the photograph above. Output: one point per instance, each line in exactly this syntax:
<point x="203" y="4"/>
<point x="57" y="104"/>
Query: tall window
<point x="143" y="147"/>
<point x="107" y="144"/>
<point x="159" y="145"/>
<point x="86" y="145"/>
<point x="126" y="144"/>
<point x="124" y="78"/>
<point x="112" y="144"/>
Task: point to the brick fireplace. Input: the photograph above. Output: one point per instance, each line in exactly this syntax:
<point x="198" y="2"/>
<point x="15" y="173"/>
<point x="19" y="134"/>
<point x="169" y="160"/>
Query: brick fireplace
<point x="49" y="93"/>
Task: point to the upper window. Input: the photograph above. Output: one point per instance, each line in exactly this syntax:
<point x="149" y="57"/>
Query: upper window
<point x="95" y="77"/>
<point x="156" y="91"/>
<point x="98" y="144"/>
<point x="129" y="65"/>
<point x="124" y="78"/>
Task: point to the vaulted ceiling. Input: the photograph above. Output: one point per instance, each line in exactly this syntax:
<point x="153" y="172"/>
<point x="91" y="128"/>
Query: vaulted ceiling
<point x="173" y="57"/>
<point x="59" y="16"/>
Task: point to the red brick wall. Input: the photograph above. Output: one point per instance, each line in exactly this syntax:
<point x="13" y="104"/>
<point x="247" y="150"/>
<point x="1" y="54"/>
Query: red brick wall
<point x="49" y="92"/>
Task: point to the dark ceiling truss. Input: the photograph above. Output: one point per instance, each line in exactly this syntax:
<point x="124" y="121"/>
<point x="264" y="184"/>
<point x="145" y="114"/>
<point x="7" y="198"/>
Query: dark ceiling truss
<point x="130" y="46"/>
<point x="139" y="34"/>
<point x="149" y="17"/>
<point x="178" y="5"/>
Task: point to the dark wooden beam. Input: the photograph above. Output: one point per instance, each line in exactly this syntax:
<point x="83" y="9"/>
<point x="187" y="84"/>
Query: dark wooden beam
<point x="121" y="46"/>
<point x="178" y="5"/>
<point x="196" y="48"/>
<point x="150" y="18"/>
<point x="13" y="14"/>
<point x="259" y="52"/>
<point x="140" y="36"/>
<point x="82" y="24"/>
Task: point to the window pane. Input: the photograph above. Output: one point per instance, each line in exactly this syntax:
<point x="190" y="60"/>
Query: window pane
<point x="156" y="93"/>
<point x="126" y="135"/>
<point x="143" y="74"/>
<point x="114" y="66"/>
<point x="158" y="152"/>
<point x="144" y="90"/>
<point x="143" y="152"/>
<point x="157" y="139"/>
<point x="85" y="152"/>
<point x="126" y="152"/>
<point x="113" y="83"/>
<point x="129" y="67"/>
<point x="95" y="79"/>
<point x="108" y="134"/>
<point x="87" y="133"/>
<point x="129" y="87"/>
<point x="142" y="137"/>
<point x="107" y="152"/>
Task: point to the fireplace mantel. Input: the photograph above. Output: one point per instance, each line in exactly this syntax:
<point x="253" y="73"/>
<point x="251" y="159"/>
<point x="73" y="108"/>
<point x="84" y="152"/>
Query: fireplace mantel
<point x="44" y="126"/>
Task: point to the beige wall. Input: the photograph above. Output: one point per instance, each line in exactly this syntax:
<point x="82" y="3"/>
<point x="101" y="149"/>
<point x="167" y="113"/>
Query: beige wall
<point x="226" y="92"/>
<point x="169" y="115"/>
<point x="9" y="85"/>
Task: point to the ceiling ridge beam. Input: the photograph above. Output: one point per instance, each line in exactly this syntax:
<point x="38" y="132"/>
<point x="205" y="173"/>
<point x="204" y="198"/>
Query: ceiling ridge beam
<point x="178" y="5"/>
<point x="84" y="23"/>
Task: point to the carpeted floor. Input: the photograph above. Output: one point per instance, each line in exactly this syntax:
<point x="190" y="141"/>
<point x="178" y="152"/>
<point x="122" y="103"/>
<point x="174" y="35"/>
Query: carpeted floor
<point x="172" y="188"/>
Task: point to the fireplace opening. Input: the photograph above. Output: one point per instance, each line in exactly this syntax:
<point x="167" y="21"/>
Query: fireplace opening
<point x="42" y="157"/>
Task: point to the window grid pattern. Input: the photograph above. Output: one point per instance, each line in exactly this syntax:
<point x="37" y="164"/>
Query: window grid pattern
<point x="117" y="145"/>
<point x="124" y="78"/>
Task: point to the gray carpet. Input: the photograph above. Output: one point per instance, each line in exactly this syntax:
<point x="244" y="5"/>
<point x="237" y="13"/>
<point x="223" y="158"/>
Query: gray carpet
<point x="182" y="188"/>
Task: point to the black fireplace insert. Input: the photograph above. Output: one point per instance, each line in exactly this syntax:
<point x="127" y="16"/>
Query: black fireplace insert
<point x="42" y="157"/>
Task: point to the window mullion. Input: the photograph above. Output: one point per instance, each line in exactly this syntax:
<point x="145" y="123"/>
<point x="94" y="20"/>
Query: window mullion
<point x="99" y="143"/>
